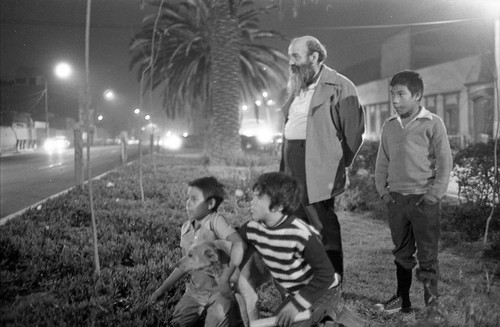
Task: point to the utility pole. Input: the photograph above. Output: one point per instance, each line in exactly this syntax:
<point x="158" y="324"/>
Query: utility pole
<point x="46" y="109"/>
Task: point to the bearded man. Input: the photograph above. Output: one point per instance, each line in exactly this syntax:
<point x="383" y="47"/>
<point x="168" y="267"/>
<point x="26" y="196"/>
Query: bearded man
<point x="324" y="124"/>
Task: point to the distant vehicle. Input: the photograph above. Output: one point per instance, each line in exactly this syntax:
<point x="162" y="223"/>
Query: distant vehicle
<point x="56" y="144"/>
<point x="262" y="143"/>
<point x="171" y="141"/>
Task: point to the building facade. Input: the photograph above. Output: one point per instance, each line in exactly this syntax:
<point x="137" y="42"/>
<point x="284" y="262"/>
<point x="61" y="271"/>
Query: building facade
<point x="461" y="92"/>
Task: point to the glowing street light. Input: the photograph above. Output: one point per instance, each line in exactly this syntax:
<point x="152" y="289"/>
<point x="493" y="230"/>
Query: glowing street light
<point x="100" y="117"/>
<point x="137" y="111"/>
<point x="109" y="95"/>
<point x="61" y="70"/>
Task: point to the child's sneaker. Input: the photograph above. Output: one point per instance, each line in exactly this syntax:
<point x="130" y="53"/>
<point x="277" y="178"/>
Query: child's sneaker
<point x="393" y="305"/>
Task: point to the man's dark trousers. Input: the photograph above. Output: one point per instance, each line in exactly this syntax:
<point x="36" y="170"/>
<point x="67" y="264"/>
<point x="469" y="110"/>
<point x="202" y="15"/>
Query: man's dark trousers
<point x="320" y="215"/>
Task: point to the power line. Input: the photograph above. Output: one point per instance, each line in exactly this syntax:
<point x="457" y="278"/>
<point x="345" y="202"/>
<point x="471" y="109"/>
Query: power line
<point x="62" y="24"/>
<point x="392" y="25"/>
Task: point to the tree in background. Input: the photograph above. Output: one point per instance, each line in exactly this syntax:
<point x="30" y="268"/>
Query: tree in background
<point x="207" y="58"/>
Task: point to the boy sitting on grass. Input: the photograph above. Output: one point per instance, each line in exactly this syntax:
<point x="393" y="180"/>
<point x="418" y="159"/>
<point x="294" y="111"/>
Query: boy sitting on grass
<point x="205" y="224"/>
<point x="291" y="250"/>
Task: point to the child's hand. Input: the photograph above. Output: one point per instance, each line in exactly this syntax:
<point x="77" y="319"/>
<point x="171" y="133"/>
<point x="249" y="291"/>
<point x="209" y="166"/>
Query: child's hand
<point x="153" y="298"/>
<point x="388" y="198"/>
<point x="287" y="315"/>
<point x="427" y="199"/>
<point x="233" y="281"/>
<point x="225" y="289"/>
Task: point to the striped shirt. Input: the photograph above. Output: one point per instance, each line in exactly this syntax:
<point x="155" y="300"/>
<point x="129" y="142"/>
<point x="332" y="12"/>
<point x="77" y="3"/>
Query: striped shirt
<point x="295" y="257"/>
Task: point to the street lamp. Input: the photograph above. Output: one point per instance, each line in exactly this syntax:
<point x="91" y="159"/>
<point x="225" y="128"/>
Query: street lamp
<point x="63" y="71"/>
<point x="109" y="95"/>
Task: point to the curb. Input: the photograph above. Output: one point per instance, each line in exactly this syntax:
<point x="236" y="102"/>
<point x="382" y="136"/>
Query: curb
<point x="4" y="220"/>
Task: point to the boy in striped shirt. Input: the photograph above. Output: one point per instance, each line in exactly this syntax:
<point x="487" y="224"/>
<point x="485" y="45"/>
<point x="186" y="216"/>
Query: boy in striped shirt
<point x="291" y="249"/>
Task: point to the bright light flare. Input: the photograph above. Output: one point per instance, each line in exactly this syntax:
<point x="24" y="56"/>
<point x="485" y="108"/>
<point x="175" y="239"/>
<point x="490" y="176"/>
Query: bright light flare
<point x="63" y="70"/>
<point x="109" y="95"/>
<point x="264" y="135"/>
<point x="56" y="144"/>
<point x="171" y="141"/>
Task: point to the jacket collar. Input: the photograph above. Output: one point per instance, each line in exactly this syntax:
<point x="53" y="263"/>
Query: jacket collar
<point x="423" y="114"/>
<point x="323" y="90"/>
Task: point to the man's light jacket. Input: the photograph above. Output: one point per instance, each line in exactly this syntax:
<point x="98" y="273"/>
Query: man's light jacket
<point x="329" y="149"/>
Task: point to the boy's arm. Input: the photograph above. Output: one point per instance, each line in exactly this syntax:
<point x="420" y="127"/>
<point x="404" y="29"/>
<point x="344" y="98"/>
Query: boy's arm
<point x="167" y="284"/>
<point x="381" y="168"/>
<point x="323" y="275"/>
<point x="236" y="256"/>
<point x="238" y="248"/>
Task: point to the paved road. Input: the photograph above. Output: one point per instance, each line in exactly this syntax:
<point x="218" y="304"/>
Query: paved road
<point x="33" y="176"/>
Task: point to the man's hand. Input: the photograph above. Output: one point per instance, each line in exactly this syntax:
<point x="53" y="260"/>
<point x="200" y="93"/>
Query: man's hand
<point x="287" y="315"/>
<point x="427" y="199"/>
<point x="388" y="198"/>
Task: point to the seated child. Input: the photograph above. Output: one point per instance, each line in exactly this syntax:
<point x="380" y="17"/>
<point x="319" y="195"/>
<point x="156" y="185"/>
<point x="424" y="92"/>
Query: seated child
<point x="205" y="224"/>
<point x="291" y="249"/>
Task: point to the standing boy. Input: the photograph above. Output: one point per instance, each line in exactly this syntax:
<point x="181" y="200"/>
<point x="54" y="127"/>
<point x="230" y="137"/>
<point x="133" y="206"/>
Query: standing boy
<point x="411" y="175"/>
<point x="290" y="248"/>
<point x="205" y="224"/>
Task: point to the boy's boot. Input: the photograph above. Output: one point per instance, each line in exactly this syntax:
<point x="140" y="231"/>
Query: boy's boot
<point x="430" y="292"/>
<point x="337" y="260"/>
<point x="399" y="302"/>
<point x="431" y="296"/>
<point x="404" y="277"/>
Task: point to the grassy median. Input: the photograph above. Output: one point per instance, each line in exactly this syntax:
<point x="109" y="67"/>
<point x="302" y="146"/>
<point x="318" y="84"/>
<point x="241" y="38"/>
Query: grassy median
<point x="47" y="274"/>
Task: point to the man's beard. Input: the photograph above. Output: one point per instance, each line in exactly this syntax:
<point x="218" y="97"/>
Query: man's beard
<point x="300" y="78"/>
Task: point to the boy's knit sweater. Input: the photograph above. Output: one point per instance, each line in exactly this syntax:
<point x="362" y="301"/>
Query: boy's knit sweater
<point x="295" y="257"/>
<point x="415" y="159"/>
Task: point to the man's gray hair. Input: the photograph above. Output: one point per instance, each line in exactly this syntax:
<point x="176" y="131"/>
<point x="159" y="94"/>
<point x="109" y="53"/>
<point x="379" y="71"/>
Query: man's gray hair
<point x="313" y="45"/>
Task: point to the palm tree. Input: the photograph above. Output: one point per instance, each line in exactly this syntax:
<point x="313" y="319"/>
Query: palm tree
<point x="207" y="58"/>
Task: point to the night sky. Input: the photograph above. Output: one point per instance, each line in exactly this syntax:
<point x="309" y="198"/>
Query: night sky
<point x="36" y="34"/>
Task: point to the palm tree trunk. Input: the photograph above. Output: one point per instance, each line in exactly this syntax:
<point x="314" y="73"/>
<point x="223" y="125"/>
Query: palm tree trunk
<point x="224" y="50"/>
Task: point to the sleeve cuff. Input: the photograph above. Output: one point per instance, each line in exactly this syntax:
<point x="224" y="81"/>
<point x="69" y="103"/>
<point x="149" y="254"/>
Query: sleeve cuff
<point x="300" y="302"/>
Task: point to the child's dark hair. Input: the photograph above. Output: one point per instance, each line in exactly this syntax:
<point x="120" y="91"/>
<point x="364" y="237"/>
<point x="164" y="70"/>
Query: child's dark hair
<point x="411" y="79"/>
<point x="211" y="188"/>
<point x="282" y="189"/>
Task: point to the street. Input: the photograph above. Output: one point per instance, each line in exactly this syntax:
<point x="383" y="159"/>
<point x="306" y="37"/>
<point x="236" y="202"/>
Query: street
<point x="30" y="177"/>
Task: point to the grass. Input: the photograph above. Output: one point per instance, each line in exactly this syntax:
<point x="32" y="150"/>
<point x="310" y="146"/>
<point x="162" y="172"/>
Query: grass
<point x="46" y="255"/>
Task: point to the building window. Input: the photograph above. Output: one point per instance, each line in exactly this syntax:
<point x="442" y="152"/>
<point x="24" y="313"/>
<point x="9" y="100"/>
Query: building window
<point x="451" y="119"/>
<point x="430" y="103"/>
<point x="376" y="114"/>
<point x="384" y="112"/>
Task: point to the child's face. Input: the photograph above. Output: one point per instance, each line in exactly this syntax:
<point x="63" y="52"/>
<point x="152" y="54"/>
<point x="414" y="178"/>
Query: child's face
<point x="260" y="207"/>
<point x="196" y="206"/>
<point x="403" y="101"/>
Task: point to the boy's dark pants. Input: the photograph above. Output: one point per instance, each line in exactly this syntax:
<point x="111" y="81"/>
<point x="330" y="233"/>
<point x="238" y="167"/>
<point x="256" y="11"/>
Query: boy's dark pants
<point x="415" y="228"/>
<point x="320" y="215"/>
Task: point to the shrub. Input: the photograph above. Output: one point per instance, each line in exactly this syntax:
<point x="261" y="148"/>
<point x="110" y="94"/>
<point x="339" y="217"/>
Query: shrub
<point x="469" y="219"/>
<point x="366" y="158"/>
<point x="478" y="181"/>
